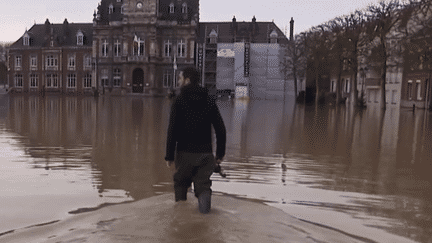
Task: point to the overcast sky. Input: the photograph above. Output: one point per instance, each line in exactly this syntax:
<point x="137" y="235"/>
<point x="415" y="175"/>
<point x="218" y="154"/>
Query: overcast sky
<point x="16" y="16"/>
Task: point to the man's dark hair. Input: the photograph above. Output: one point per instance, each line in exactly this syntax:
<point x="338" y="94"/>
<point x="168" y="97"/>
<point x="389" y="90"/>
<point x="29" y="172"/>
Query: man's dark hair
<point x="193" y="75"/>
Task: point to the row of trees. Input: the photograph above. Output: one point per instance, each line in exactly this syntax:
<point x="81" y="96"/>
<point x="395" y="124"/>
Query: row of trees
<point x="387" y="34"/>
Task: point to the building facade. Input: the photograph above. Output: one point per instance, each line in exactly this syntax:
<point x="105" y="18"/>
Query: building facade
<point x="243" y="57"/>
<point x="52" y="58"/>
<point x="139" y="45"/>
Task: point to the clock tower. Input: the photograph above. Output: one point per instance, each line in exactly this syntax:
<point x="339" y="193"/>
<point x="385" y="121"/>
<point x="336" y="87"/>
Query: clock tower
<point x="140" y="12"/>
<point x="138" y="45"/>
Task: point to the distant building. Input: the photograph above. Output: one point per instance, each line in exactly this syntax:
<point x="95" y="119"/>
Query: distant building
<point x="139" y="45"/>
<point x="243" y="57"/>
<point x="3" y="66"/>
<point x="52" y="58"/>
<point x="136" y="46"/>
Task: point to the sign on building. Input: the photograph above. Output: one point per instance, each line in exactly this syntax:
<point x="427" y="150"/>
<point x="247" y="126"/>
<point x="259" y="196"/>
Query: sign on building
<point x="246" y="59"/>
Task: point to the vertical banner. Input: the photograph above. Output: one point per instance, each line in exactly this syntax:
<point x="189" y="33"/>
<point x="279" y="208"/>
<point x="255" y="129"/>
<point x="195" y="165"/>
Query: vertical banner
<point x="200" y="56"/>
<point x="246" y="59"/>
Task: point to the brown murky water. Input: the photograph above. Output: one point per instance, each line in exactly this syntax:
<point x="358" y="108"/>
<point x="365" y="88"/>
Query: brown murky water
<point x="365" y="172"/>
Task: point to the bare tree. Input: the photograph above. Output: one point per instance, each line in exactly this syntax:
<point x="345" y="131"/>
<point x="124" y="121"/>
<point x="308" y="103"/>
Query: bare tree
<point x="294" y="62"/>
<point x="317" y="52"/>
<point x="354" y="27"/>
<point x="382" y="25"/>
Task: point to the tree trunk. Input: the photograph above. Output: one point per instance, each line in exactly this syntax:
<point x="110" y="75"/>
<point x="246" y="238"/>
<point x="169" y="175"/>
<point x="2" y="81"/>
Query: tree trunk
<point x="338" y="83"/>
<point x="295" y="83"/>
<point x="316" y="88"/>
<point x="383" y="76"/>
<point x="355" y="81"/>
<point x="354" y="88"/>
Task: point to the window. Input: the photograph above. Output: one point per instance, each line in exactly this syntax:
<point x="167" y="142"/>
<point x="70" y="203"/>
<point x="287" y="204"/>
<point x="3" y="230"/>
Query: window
<point x="394" y="95"/>
<point x="171" y="8"/>
<point x="87" y="80"/>
<point x="273" y="37"/>
<point x="18" y="61"/>
<point x="51" y="43"/>
<point x="184" y="8"/>
<point x="71" y="80"/>
<point x="110" y="9"/>
<point x="418" y="88"/>
<point x="105" y="82"/>
<point x="409" y="90"/>
<point x="181" y="49"/>
<point x="26" y="40"/>
<point x="138" y="47"/>
<point x="104" y="78"/>
<point x="33" y="61"/>
<point x="87" y="61"/>
<point x="71" y="62"/>
<point x="347" y="86"/>
<point x="105" y="48"/>
<point x="167" y="79"/>
<point x="122" y="10"/>
<point x="52" y="61"/>
<point x="167" y="48"/>
<point x="51" y="81"/>
<point x="18" y="80"/>
<point x="117" y="77"/>
<point x="333" y="86"/>
<point x="34" y="78"/>
<point x="117" y="48"/>
<point x="80" y="38"/>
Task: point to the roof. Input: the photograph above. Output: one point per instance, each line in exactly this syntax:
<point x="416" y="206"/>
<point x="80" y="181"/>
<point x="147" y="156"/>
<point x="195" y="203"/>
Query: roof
<point x="255" y="32"/>
<point x="63" y="34"/>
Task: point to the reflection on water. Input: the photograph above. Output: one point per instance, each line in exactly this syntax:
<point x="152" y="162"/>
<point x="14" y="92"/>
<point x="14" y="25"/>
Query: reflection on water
<point x="370" y="167"/>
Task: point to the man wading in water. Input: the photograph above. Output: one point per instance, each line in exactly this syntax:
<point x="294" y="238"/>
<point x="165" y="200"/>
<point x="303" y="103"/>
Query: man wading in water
<point x="189" y="139"/>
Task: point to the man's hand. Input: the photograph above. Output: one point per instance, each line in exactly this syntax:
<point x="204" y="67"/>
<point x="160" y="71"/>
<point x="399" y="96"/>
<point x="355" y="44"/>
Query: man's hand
<point x="169" y="163"/>
<point x="218" y="161"/>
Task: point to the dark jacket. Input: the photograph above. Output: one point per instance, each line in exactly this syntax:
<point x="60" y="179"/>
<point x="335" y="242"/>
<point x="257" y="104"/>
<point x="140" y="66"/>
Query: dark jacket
<point x="192" y="115"/>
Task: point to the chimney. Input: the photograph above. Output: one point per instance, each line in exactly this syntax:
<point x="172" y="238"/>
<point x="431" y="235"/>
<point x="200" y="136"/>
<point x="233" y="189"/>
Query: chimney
<point x="47" y="26"/>
<point x="292" y="29"/>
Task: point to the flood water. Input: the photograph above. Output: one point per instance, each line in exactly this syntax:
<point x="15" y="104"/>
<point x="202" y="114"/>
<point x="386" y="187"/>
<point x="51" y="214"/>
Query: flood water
<point x="365" y="173"/>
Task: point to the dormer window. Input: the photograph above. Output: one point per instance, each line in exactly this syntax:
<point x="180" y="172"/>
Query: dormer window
<point x="213" y="37"/>
<point x="273" y="37"/>
<point x="110" y="9"/>
<point x="80" y="38"/>
<point x="171" y="8"/>
<point x="26" y="39"/>
<point x="119" y="1"/>
<point x="184" y="8"/>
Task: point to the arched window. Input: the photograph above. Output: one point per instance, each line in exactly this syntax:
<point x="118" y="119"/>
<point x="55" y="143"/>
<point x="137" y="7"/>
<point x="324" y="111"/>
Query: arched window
<point x="184" y="8"/>
<point x="111" y="9"/>
<point x="213" y="37"/>
<point x="273" y="37"/>
<point x="171" y="8"/>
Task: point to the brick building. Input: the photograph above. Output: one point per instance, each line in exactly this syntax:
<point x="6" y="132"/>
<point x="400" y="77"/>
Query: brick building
<point x="52" y="58"/>
<point x="138" y="45"/>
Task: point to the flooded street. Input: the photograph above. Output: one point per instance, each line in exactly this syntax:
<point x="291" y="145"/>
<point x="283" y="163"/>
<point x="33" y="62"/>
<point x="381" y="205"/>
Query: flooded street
<point x="365" y="173"/>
